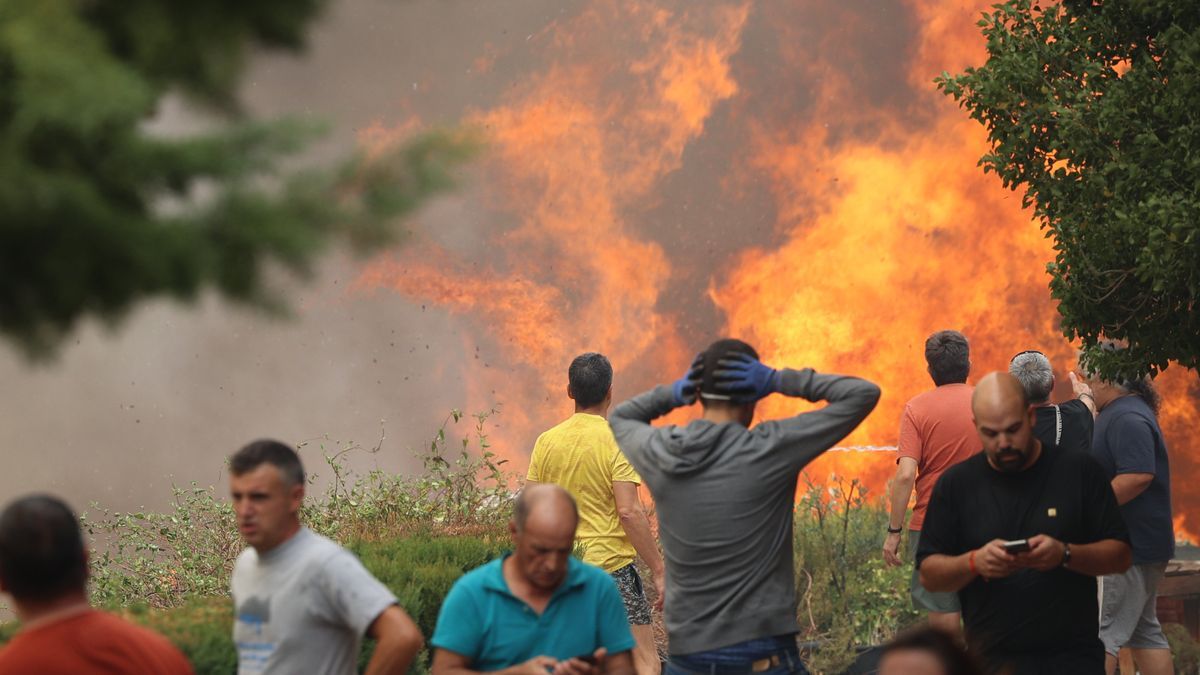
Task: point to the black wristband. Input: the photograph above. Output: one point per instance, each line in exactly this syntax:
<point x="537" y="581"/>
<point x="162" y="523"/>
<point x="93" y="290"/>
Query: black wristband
<point x="1066" y="555"/>
<point x="898" y="530"/>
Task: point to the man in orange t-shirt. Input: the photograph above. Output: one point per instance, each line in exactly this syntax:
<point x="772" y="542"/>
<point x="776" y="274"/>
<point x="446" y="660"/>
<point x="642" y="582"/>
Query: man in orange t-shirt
<point x="43" y="567"/>
<point x="937" y="431"/>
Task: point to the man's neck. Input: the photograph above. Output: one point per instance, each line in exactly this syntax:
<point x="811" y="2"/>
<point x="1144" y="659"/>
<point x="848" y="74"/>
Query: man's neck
<point x="38" y="612"/>
<point x="599" y="410"/>
<point x="1102" y="403"/>
<point x="721" y="415"/>
<point x="293" y="530"/>
<point x="535" y="597"/>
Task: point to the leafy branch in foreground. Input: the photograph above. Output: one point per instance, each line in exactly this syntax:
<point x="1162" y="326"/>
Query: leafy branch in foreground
<point x="1090" y="107"/>
<point x="101" y="212"/>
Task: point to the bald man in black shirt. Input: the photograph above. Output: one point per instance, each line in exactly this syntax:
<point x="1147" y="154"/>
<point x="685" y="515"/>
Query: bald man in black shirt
<point x="1031" y="611"/>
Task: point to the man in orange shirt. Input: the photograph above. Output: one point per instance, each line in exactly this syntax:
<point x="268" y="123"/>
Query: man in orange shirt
<point x="937" y="431"/>
<point x="44" y="567"/>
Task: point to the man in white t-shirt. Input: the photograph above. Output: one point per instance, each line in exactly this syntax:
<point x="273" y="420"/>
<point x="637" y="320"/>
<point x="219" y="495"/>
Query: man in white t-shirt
<point x="303" y="603"/>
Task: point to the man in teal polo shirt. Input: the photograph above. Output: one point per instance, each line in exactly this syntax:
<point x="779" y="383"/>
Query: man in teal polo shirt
<point x="537" y="610"/>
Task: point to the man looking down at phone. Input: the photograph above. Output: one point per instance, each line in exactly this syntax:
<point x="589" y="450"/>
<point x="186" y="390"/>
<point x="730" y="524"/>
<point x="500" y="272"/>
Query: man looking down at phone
<point x="1031" y="610"/>
<point x="537" y="610"/>
<point x="725" y="495"/>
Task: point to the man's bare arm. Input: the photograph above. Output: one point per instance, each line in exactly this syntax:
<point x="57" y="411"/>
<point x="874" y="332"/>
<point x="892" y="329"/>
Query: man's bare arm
<point x="637" y="527"/>
<point x="902" y="487"/>
<point x="397" y="642"/>
<point x="950" y="574"/>
<point x="1107" y="556"/>
<point x="1127" y="486"/>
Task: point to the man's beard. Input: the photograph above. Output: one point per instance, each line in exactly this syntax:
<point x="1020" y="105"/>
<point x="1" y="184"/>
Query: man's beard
<point x="1010" y="459"/>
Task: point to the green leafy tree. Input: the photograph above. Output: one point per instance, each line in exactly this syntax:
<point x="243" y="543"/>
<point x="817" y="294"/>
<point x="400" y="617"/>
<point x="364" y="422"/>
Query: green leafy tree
<point x="97" y="213"/>
<point x="1091" y="108"/>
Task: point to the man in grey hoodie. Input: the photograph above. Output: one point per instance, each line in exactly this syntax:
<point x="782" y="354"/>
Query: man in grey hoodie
<point x="725" y="496"/>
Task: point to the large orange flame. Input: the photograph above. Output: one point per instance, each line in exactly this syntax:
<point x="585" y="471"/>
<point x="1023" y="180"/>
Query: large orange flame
<point x="879" y="226"/>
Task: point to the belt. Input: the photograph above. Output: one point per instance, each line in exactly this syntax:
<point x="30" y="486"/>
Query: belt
<point x="757" y="666"/>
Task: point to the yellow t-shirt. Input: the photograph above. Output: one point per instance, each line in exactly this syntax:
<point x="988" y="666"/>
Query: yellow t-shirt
<point x="581" y="455"/>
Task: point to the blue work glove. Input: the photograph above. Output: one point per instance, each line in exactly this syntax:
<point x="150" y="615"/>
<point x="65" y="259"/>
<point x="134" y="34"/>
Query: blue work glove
<point x="744" y="378"/>
<point x="687" y="387"/>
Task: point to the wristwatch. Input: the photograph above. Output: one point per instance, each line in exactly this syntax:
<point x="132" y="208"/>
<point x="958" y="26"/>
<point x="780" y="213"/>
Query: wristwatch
<point x="898" y="530"/>
<point x="1066" y="554"/>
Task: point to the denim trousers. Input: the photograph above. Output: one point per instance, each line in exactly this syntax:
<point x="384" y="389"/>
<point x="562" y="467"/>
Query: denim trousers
<point x="738" y="659"/>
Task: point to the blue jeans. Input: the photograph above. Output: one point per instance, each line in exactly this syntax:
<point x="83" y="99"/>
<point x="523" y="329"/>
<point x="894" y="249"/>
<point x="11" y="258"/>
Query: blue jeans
<point x="739" y="659"/>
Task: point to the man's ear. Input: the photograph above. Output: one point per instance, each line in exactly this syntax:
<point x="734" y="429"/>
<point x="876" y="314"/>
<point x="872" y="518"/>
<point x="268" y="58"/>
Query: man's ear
<point x="570" y="394"/>
<point x="608" y="395"/>
<point x="297" y="495"/>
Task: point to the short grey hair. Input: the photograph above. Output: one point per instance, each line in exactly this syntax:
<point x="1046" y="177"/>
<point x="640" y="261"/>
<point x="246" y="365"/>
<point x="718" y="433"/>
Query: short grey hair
<point x="1033" y="370"/>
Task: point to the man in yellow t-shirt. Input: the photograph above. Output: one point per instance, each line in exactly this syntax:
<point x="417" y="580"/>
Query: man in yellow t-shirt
<point x="581" y="455"/>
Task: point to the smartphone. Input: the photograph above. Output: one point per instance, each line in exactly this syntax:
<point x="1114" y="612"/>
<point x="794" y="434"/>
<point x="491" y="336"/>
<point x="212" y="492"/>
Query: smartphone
<point x="1017" y="546"/>
<point x="588" y="659"/>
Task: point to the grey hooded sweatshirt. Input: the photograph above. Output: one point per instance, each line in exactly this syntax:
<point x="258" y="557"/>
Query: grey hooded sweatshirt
<point x="725" y="496"/>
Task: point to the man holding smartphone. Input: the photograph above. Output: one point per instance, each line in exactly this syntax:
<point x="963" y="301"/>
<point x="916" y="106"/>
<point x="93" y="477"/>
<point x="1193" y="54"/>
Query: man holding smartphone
<point x="1029" y="606"/>
<point x="536" y="611"/>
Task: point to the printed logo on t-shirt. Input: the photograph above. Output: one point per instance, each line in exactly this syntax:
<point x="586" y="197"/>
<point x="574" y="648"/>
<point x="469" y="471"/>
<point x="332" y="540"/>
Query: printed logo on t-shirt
<point x="1052" y="512"/>
<point x="253" y="635"/>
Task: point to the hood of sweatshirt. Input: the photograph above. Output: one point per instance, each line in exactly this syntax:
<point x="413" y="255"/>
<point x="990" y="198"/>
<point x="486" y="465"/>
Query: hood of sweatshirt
<point x="693" y="448"/>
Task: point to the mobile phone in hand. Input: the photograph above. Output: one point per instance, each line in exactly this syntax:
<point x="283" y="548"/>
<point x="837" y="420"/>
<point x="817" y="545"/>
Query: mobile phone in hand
<point x="589" y="659"/>
<point x="1017" y="546"/>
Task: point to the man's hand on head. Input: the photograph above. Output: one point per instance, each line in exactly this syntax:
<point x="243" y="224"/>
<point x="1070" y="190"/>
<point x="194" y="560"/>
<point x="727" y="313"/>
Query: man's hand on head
<point x="745" y="378"/>
<point x="1044" y="554"/>
<point x="993" y="562"/>
<point x="686" y="388"/>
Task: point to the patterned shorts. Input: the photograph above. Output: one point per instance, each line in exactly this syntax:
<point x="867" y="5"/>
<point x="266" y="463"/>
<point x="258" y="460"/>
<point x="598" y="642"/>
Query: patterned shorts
<point x="630" y="585"/>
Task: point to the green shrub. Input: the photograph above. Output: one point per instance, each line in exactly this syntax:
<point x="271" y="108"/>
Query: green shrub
<point x="202" y="628"/>
<point x="848" y="597"/>
<point x="164" y="559"/>
<point x="419" y="570"/>
<point x="1185" y="650"/>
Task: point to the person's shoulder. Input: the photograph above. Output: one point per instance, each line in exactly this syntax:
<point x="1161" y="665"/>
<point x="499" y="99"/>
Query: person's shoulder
<point x="587" y="574"/>
<point x="114" y="628"/>
<point x="1075" y="406"/>
<point x="482" y="577"/>
<point x="245" y="560"/>
<point x="966" y="470"/>
<point x="939" y="397"/>
<point x="1131" y="410"/>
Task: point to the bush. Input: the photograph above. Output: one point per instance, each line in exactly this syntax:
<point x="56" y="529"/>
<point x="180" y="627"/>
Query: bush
<point x="1185" y="650"/>
<point x="419" y="570"/>
<point x="165" y="559"/>
<point x="417" y="534"/>
<point x="848" y="597"/>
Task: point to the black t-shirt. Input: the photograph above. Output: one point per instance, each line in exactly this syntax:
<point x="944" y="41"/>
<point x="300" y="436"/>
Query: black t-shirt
<point x="1031" y="621"/>
<point x="1077" y="423"/>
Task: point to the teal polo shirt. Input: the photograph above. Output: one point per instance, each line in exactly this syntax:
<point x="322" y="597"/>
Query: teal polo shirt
<point x="481" y="620"/>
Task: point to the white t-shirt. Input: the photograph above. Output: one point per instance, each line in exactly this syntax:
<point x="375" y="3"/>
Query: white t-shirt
<point x="303" y="607"/>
